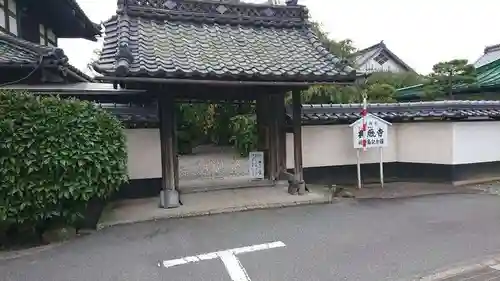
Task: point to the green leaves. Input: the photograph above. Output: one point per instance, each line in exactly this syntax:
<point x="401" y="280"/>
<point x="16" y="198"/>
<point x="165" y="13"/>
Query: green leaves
<point x="447" y="76"/>
<point x="244" y="133"/>
<point x="55" y="155"/>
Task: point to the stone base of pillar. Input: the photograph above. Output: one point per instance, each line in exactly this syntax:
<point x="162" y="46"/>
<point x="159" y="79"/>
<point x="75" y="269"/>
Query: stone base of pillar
<point x="296" y="187"/>
<point x="169" y="199"/>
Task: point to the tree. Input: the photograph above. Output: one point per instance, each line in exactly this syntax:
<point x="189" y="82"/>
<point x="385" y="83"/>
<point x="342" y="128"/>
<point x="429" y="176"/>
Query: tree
<point x="448" y="75"/>
<point x="343" y="49"/>
<point x="381" y="93"/>
<point x="396" y="80"/>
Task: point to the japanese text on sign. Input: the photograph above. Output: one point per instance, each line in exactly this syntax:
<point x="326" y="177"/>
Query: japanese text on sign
<point x="256" y="164"/>
<point x="376" y="132"/>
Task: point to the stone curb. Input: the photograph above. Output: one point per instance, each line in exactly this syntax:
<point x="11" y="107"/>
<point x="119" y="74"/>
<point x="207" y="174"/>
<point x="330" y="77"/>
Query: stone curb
<point x="460" y="269"/>
<point x="234" y="209"/>
<point x="361" y="198"/>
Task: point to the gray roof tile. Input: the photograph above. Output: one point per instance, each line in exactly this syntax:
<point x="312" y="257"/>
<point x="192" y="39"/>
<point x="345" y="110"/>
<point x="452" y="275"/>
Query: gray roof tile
<point x="18" y="52"/>
<point x="135" y="116"/>
<point x="399" y="112"/>
<point x="198" y="39"/>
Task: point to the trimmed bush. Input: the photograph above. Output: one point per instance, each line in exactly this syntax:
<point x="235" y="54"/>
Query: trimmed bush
<point x="55" y="155"/>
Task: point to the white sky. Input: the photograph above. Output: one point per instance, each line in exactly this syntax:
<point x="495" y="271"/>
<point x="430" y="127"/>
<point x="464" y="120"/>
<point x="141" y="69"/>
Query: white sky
<point x="421" y="32"/>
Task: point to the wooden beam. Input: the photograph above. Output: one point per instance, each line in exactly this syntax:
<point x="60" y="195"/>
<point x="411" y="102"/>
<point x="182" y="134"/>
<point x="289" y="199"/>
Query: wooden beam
<point x="341" y="80"/>
<point x="297" y="141"/>
<point x="170" y="195"/>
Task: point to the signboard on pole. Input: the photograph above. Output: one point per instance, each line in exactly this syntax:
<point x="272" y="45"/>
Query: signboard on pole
<point x="376" y="132"/>
<point x="370" y="132"/>
<point x="256" y="164"/>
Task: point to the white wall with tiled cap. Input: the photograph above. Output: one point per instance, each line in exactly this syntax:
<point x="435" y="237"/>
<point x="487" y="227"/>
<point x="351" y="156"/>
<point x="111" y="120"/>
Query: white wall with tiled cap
<point x="417" y="142"/>
<point x="476" y="142"/>
<point x="331" y="145"/>
<point x="425" y="142"/>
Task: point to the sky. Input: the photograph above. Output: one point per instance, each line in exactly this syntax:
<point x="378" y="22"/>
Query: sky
<point x="420" y="32"/>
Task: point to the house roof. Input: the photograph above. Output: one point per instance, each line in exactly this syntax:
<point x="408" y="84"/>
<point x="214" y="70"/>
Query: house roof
<point x="491" y="54"/>
<point x="363" y="55"/>
<point x="65" y="17"/>
<point x="20" y="53"/>
<point x="318" y="114"/>
<point x="201" y="39"/>
<point x="488" y="78"/>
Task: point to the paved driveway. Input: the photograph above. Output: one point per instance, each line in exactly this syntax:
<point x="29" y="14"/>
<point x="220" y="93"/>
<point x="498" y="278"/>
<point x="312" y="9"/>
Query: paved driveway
<point x="367" y="240"/>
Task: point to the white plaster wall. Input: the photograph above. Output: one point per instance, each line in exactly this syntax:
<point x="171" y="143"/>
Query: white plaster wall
<point x="144" y="157"/>
<point x="332" y="145"/>
<point x="389" y="66"/>
<point x="476" y="142"/>
<point x="425" y="142"/>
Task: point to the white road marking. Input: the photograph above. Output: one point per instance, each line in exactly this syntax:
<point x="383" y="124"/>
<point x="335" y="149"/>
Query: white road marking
<point x="233" y="265"/>
<point x="495" y="266"/>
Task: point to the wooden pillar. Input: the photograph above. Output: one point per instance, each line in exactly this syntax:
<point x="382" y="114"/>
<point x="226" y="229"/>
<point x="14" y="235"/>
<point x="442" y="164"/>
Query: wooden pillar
<point x="176" y="148"/>
<point x="262" y="111"/>
<point x="273" y="145"/>
<point x="297" y="141"/>
<point x="281" y="135"/>
<point x="169" y="194"/>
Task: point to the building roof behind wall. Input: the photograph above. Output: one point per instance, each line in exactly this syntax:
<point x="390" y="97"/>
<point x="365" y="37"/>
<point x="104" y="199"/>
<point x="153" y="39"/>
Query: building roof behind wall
<point x="20" y="53"/>
<point x="318" y="114"/>
<point x="363" y="55"/>
<point x="491" y="54"/>
<point x="487" y="79"/>
<point x="65" y="17"/>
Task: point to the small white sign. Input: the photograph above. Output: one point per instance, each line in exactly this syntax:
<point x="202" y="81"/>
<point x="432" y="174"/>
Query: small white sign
<point x="256" y="164"/>
<point x="376" y="135"/>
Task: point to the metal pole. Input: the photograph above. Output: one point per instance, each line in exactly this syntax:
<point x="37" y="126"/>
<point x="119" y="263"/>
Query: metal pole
<point x="381" y="167"/>
<point x="358" y="167"/>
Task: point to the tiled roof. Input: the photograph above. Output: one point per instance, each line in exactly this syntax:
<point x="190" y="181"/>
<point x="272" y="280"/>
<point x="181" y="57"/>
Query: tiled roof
<point x="15" y="52"/>
<point x="363" y="55"/>
<point x="134" y="116"/>
<point x="488" y="78"/>
<point x="400" y="112"/>
<point x="201" y="39"/>
<point x="491" y="54"/>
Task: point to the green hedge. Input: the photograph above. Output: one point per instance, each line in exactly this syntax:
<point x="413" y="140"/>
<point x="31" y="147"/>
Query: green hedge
<point x="55" y="155"/>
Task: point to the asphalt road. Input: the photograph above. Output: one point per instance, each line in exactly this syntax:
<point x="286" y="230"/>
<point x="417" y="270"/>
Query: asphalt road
<point x="368" y="240"/>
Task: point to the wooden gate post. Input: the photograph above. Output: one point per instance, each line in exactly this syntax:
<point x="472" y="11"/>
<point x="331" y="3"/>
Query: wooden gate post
<point x="169" y="197"/>
<point x="297" y="141"/>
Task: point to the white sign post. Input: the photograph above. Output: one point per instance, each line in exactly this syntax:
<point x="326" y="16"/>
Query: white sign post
<point x="256" y="164"/>
<point x="376" y="137"/>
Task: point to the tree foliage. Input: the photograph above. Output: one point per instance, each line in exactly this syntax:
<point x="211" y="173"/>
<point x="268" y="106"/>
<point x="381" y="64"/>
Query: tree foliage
<point x="55" y="156"/>
<point x="342" y="49"/>
<point x="448" y="75"/>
